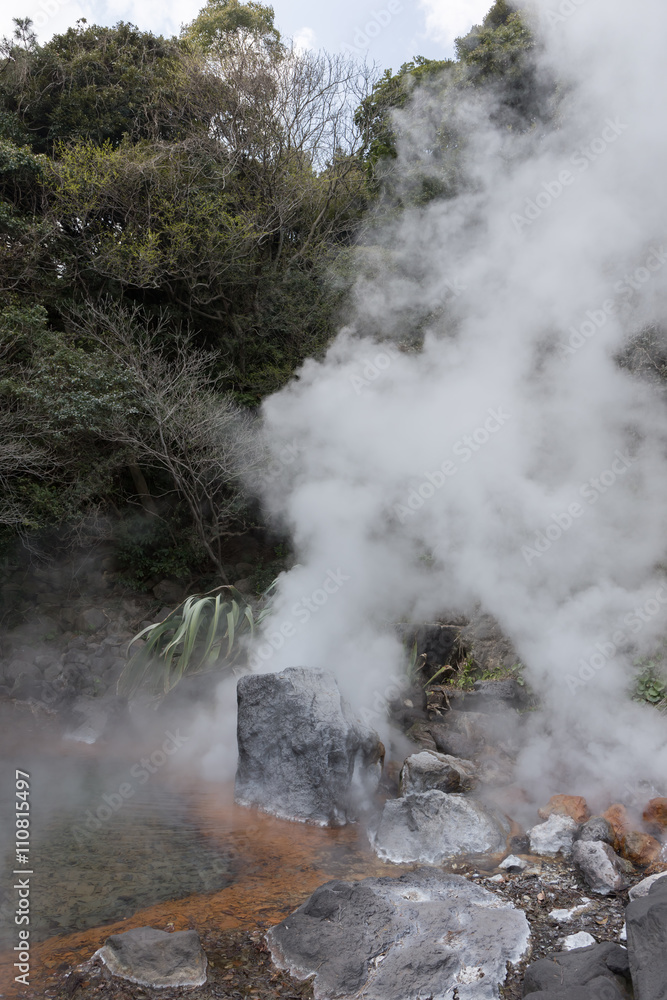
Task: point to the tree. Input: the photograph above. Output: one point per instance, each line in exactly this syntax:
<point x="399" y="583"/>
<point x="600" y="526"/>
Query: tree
<point x="221" y="22"/>
<point x="179" y="425"/>
<point x="100" y="84"/>
<point x="495" y="61"/>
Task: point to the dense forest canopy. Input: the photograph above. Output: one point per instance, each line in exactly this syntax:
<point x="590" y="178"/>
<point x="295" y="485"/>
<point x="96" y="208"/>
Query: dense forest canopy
<point x="180" y="220"/>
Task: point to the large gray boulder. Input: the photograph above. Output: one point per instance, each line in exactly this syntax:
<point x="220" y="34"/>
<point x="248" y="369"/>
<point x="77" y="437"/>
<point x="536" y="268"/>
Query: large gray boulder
<point x="432" y="826"/>
<point x="302" y="755"/>
<point x="600" y="970"/>
<point x="425" y="934"/>
<point x="600" y="866"/>
<point x="429" y="770"/>
<point x="155" y="958"/>
<point x="646" y="920"/>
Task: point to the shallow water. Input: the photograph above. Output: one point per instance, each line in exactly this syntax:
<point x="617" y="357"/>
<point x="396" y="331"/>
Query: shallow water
<point x="177" y="853"/>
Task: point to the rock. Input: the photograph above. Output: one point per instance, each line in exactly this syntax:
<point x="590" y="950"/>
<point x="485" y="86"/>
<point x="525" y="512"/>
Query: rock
<point x="425" y="934"/>
<point x="580" y="940"/>
<point x="495" y="768"/>
<point x="155" y="958"/>
<point x="642" y="888"/>
<point x="640" y="848"/>
<point x="599" y="865"/>
<point x="496" y="696"/>
<point x="15" y="668"/>
<point x="428" y="770"/>
<point x="513" y="864"/>
<point x="646" y="920"/>
<point x="553" y="837"/>
<point x="44" y="660"/>
<point x="28" y="684"/>
<point x="168" y="592"/>
<point x="565" y="972"/>
<point x="432" y="826"/>
<point x="244" y="586"/>
<point x="598" y="828"/>
<point x="617" y="817"/>
<point x="485" y="640"/>
<point x="573" y="806"/>
<point x="90" y="620"/>
<point x="420" y="733"/>
<point x="563" y="916"/>
<point x="596" y="989"/>
<point x="449" y="742"/>
<point x="301" y="753"/>
<point x="655" y="816"/>
<point x="474" y="726"/>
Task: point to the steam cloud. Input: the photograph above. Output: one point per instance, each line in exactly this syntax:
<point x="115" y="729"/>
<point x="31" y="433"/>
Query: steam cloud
<point x="511" y="462"/>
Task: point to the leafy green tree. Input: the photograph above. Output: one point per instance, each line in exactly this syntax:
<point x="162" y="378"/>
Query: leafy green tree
<point x="392" y="92"/>
<point x="494" y="58"/>
<point x="220" y="22"/>
<point x="99" y="84"/>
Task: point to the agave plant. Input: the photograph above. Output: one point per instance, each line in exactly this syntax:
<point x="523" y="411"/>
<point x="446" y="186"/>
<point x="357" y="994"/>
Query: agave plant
<point x="200" y="635"/>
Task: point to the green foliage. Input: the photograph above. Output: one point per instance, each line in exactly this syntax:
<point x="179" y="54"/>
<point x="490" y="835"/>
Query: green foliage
<point x="97" y="83"/>
<point x="264" y="577"/>
<point x="199" y="636"/>
<point x="220" y="19"/>
<point x="147" y="547"/>
<point x="651" y="683"/>
<point x="393" y="92"/>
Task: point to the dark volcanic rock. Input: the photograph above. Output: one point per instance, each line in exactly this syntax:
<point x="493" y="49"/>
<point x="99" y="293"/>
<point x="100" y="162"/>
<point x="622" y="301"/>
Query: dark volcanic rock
<point x="432" y="826"/>
<point x="597" y="989"/>
<point x="597" y="828"/>
<point x="569" y="971"/>
<point x="646" y="920"/>
<point x="301" y="754"/>
<point x="425" y="934"/>
<point x="155" y="958"/>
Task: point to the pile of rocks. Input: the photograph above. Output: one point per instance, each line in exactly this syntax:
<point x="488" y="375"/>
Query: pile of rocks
<point x="606" y="849"/>
<point x="424" y="934"/>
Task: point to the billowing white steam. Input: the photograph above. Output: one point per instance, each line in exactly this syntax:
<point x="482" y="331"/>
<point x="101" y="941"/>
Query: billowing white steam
<point x="511" y="463"/>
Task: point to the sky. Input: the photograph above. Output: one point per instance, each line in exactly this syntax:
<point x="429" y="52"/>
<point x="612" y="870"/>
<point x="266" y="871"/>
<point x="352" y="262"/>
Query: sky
<point x="387" y="32"/>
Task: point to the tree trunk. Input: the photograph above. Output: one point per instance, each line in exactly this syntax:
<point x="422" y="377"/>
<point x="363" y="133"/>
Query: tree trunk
<point x="141" y="487"/>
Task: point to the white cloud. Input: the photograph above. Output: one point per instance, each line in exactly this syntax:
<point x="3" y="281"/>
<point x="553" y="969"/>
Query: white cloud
<point x="56" y="16"/>
<point x="448" y="19"/>
<point x="304" y="39"/>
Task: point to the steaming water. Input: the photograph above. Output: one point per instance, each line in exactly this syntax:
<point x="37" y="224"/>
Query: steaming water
<point x="510" y="462"/>
<point x="178" y="853"/>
